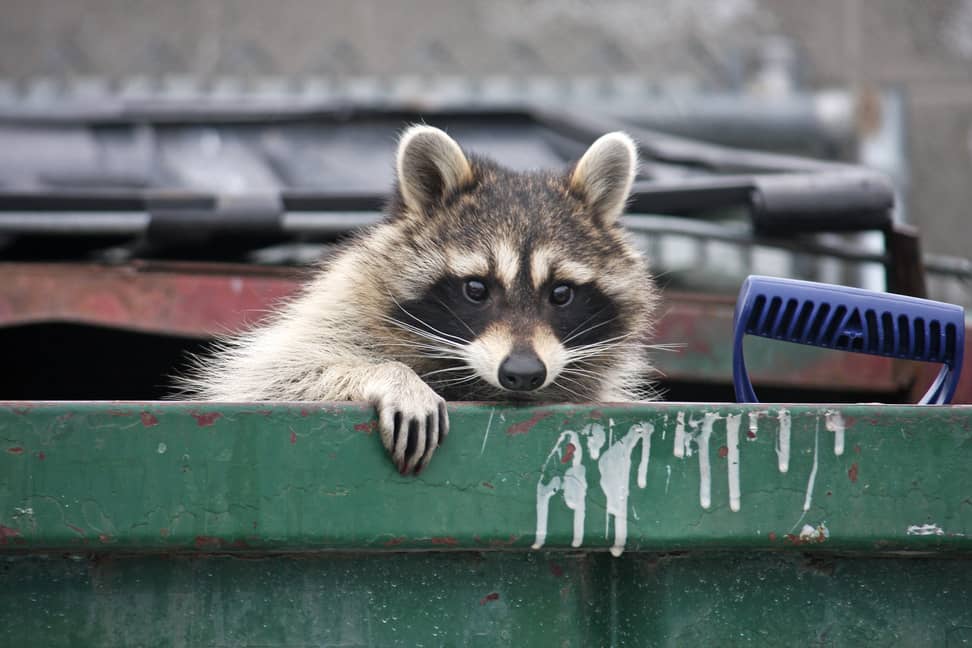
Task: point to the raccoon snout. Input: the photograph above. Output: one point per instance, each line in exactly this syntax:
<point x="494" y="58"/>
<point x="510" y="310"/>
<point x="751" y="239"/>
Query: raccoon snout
<point x="522" y="371"/>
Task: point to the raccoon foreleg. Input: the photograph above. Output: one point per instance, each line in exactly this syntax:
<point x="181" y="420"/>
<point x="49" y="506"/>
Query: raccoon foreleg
<point x="412" y="419"/>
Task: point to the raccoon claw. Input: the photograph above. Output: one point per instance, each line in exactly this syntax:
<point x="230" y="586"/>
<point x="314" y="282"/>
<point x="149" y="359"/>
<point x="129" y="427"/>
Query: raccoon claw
<point x="412" y="428"/>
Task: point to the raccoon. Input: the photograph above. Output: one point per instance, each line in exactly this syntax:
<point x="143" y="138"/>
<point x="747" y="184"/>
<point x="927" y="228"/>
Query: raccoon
<point x="481" y="284"/>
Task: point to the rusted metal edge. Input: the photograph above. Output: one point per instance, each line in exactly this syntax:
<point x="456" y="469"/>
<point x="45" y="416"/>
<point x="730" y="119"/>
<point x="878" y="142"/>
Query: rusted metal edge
<point x="200" y="300"/>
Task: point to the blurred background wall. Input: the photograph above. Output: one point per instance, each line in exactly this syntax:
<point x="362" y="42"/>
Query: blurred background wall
<point x="923" y="48"/>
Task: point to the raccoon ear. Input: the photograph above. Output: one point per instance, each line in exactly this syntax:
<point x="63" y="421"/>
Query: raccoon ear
<point x="604" y="174"/>
<point x="429" y="165"/>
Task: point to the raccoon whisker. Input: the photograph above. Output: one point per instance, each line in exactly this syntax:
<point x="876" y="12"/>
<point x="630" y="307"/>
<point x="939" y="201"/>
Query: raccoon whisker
<point x="612" y="340"/>
<point x="588" y="330"/>
<point x="451" y="382"/>
<point x="418" y="346"/>
<point x="582" y="372"/>
<point x="665" y="346"/>
<point x="600" y="379"/>
<point x="421" y="333"/>
<point x="603" y="352"/>
<point x="572" y="381"/>
<point x="426" y="324"/>
<point x="574" y="330"/>
<point x="453" y="313"/>
<point x="568" y="389"/>
<point x="597" y="348"/>
<point x="438" y="371"/>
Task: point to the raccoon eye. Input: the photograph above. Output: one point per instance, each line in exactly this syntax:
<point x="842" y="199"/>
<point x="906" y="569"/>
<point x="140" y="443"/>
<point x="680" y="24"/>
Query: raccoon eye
<point x="475" y="290"/>
<point x="561" y="295"/>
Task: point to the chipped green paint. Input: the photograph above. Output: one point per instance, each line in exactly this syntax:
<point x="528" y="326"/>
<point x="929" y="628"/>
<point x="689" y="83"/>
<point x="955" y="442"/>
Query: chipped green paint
<point x="299" y="477"/>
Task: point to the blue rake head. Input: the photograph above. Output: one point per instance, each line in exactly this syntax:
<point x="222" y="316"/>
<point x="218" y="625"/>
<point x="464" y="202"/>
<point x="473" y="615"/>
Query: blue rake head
<point x="849" y="319"/>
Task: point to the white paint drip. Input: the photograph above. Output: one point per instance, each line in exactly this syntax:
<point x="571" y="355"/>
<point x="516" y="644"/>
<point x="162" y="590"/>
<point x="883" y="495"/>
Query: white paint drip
<point x="783" y="441"/>
<point x="705" y="468"/>
<point x="573" y="484"/>
<point x="818" y="533"/>
<point x="645" y="454"/>
<point x="668" y="476"/>
<point x="835" y="424"/>
<point x="753" y="426"/>
<point x="615" y="468"/>
<point x="575" y="496"/>
<point x="486" y="436"/>
<point x="732" y="441"/>
<point x="595" y="439"/>
<point x="679" y="447"/>
<point x="813" y="471"/>
<point x="544" y="493"/>
<point x="924" y="530"/>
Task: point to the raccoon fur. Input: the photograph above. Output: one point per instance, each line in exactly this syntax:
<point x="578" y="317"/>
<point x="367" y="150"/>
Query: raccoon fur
<point x="481" y="284"/>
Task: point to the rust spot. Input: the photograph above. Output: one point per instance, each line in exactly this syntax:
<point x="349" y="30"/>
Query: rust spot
<point x="568" y="453"/>
<point x="504" y="543"/>
<point x="596" y="415"/>
<point x="7" y="533"/>
<point x="41" y="456"/>
<point x="367" y="428"/>
<point x="76" y="529"/>
<point x="104" y="538"/>
<point x="750" y="434"/>
<point x="15" y="450"/>
<point x="488" y="485"/>
<point x="556" y="570"/>
<point x="164" y="532"/>
<point x="21" y="411"/>
<point x="265" y="412"/>
<point x="393" y="542"/>
<point x="772" y="536"/>
<point x="492" y="596"/>
<point x="205" y="419"/>
<point x="525" y="426"/>
<point x="149" y="419"/>
<point x="852" y="472"/>
<point x="445" y="540"/>
<point x="723" y="452"/>
<point x="207" y="542"/>
<point x="293" y="438"/>
<point x="857" y="449"/>
<point x="304" y="412"/>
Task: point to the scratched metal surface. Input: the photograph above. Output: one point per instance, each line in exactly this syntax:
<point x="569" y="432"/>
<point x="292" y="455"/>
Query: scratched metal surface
<point x="228" y="525"/>
<point x="205" y="477"/>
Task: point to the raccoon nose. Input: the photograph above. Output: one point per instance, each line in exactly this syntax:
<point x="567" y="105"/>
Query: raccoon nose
<point x="522" y="371"/>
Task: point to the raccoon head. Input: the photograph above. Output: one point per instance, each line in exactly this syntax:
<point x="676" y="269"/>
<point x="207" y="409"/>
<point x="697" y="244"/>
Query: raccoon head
<point x="516" y="285"/>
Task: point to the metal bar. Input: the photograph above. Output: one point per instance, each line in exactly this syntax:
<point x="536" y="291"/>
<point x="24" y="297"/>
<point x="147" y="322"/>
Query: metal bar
<point x="329" y="224"/>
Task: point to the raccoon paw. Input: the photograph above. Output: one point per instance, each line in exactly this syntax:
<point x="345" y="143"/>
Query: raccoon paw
<point x="413" y="422"/>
